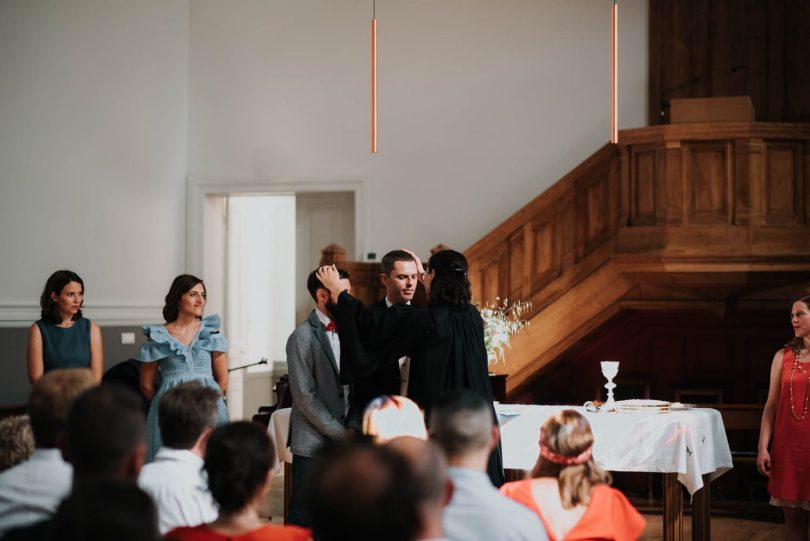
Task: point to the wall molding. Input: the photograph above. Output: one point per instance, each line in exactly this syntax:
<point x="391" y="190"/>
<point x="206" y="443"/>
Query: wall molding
<point x="22" y="315"/>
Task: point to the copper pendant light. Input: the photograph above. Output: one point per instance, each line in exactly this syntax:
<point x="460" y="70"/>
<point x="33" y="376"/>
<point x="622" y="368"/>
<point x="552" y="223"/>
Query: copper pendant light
<point x="374" y="79"/>
<point x="614" y="78"/>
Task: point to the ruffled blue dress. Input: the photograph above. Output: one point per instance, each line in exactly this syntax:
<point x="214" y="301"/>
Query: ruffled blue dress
<point x="180" y="363"/>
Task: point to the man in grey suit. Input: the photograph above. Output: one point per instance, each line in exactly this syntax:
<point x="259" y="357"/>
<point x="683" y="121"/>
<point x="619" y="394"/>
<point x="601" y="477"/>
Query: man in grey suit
<point x="320" y="402"/>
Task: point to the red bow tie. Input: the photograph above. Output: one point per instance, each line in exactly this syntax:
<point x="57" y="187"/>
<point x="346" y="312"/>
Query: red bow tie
<point x="331" y="326"/>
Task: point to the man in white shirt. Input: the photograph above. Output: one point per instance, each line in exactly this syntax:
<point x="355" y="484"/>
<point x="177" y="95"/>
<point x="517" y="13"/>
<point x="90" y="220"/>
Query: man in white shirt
<point x="461" y="423"/>
<point x="31" y="491"/>
<point x="175" y="479"/>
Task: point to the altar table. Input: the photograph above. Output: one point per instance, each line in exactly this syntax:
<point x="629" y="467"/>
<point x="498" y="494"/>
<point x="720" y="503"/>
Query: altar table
<point x="689" y="447"/>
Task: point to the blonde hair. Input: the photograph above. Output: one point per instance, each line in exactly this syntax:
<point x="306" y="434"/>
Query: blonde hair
<point x="388" y="417"/>
<point x="16" y="441"/>
<point x="566" y="440"/>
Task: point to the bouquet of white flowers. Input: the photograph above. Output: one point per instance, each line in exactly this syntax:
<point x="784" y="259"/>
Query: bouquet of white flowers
<point x="501" y="321"/>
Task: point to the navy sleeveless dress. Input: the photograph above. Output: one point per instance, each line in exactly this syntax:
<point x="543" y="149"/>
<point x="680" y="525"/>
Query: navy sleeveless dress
<point x="65" y="347"/>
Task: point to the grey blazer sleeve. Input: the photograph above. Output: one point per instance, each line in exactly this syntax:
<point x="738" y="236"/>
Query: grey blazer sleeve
<point x="304" y="389"/>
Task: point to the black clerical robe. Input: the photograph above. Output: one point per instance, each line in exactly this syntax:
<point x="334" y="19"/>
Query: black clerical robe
<point x="445" y="344"/>
<point x="384" y="379"/>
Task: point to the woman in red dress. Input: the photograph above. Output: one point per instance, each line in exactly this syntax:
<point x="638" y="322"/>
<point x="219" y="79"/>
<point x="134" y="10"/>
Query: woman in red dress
<point x="786" y="428"/>
<point x="239" y="461"/>
<point x="569" y="492"/>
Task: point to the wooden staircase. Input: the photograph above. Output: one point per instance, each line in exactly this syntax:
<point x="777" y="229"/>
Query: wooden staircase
<point x="712" y="216"/>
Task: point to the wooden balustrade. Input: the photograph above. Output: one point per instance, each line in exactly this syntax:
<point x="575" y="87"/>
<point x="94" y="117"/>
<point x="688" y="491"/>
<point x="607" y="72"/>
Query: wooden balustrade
<point x="689" y="216"/>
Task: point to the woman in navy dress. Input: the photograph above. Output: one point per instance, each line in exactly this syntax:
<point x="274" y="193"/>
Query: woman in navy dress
<point x="63" y="338"/>
<point x="187" y="347"/>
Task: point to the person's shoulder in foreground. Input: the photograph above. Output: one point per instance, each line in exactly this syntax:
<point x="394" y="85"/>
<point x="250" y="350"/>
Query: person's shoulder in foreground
<point x="268" y="532"/>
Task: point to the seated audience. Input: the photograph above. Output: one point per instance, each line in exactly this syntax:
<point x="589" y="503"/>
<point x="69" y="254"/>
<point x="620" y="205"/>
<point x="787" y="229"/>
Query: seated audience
<point x="239" y="461"/>
<point x="569" y="492"/>
<point x="432" y="488"/>
<point x="16" y="441"/>
<point x="106" y="510"/>
<point x="187" y="414"/>
<point x="363" y="492"/>
<point x="105" y="440"/>
<point x="461" y="423"/>
<point x="388" y="417"/>
<point x="106" y="435"/>
<point x="31" y="490"/>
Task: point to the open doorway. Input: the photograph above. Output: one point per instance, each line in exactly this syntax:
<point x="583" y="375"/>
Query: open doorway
<point x="257" y="250"/>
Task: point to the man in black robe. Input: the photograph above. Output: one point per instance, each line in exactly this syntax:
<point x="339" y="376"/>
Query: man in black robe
<point x="445" y="341"/>
<point x="399" y="276"/>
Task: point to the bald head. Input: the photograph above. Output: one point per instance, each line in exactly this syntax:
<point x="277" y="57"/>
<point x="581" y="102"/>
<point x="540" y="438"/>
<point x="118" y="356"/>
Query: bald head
<point x="461" y="422"/>
<point x="428" y="466"/>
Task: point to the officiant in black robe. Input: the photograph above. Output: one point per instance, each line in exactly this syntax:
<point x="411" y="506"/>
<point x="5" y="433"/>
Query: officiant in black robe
<point x="445" y="341"/>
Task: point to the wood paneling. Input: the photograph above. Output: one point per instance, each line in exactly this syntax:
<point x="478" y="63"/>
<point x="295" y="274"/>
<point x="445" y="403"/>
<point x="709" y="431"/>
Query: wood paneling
<point x="690" y="217"/>
<point x="644" y="195"/>
<point x="670" y="349"/>
<point x="708" y="182"/>
<point x="731" y="173"/>
<point x="531" y="251"/>
<point x="757" y="48"/>
<point x="784" y="186"/>
<point x="545" y="262"/>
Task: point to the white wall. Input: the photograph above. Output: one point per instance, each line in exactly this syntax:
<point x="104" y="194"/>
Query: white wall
<point x="93" y="126"/>
<point x="483" y="103"/>
<point x="107" y="105"/>
<point x="320" y="219"/>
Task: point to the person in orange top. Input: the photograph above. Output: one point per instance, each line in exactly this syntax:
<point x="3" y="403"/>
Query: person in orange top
<point x="239" y="461"/>
<point x="569" y="492"/>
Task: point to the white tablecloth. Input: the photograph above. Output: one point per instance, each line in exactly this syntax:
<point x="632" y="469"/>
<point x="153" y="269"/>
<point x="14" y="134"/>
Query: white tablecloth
<point x="690" y="443"/>
<point x="278" y="428"/>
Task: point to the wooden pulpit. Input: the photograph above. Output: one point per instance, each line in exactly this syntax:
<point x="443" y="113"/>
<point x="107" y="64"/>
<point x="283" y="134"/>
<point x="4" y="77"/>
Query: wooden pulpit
<point x="719" y="109"/>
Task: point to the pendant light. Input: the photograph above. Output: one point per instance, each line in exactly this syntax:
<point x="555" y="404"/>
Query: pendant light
<point x="374" y="78"/>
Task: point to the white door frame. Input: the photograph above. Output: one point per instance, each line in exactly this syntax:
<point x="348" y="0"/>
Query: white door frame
<point x="198" y="188"/>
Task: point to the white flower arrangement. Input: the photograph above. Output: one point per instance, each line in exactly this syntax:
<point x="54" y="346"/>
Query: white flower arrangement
<point x="501" y="321"/>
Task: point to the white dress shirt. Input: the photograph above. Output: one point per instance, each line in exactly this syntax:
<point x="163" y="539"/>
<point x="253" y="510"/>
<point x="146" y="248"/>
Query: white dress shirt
<point x="176" y="482"/>
<point x="32" y="490"/>
<point x="477" y="511"/>
<point x="404" y="363"/>
<point x="334" y="341"/>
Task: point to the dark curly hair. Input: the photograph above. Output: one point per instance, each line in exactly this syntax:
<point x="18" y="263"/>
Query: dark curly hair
<point x="450" y="285"/>
<point x="55" y="284"/>
<point x="313" y="284"/>
<point x="181" y="285"/>
<point x="237" y="459"/>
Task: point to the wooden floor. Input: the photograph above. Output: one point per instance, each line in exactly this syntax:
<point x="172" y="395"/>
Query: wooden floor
<point x="723" y="529"/>
<point x="273" y="505"/>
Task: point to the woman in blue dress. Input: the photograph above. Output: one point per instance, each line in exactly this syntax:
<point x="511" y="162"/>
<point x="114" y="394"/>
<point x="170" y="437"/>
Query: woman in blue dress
<point x="188" y="347"/>
<point x="63" y="338"/>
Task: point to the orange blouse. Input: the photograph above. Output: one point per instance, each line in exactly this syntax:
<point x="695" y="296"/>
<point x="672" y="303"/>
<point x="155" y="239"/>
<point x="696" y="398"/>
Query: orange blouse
<point x="270" y="532"/>
<point x="609" y="517"/>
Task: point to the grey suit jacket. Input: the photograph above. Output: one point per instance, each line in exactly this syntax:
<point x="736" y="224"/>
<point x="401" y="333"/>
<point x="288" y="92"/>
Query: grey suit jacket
<point x="319" y="409"/>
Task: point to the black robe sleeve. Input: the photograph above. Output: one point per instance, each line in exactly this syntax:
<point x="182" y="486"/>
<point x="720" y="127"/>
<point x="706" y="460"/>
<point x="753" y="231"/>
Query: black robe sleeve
<point x="369" y="338"/>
